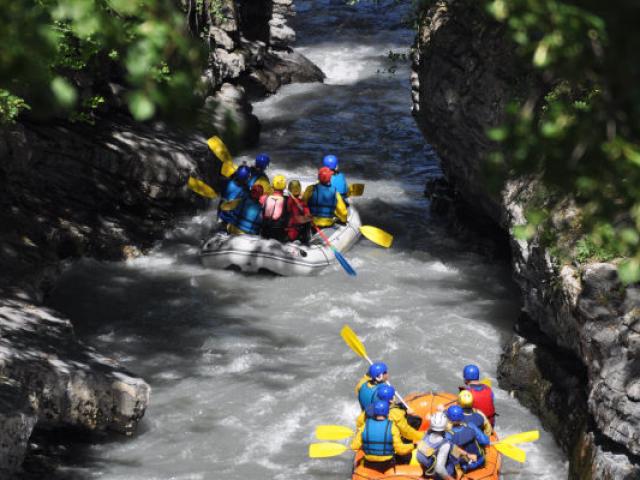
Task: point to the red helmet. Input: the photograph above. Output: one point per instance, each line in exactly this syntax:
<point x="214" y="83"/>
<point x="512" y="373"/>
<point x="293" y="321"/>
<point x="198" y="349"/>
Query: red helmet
<point x="324" y="175"/>
<point x="256" y="192"/>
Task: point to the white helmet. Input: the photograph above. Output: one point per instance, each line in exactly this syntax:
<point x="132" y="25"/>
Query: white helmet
<point x="438" y="422"/>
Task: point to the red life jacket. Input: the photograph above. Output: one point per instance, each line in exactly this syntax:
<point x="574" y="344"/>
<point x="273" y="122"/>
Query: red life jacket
<point x="483" y="401"/>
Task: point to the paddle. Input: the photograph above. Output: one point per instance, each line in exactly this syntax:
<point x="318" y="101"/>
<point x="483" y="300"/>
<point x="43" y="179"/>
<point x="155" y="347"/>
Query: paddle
<point x="343" y="261"/>
<point x="512" y="452"/>
<point x="377" y="235"/>
<point x="487" y="382"/>
<point x="355" y="190"/>
<point x="230" y="204"/>
<point x="201" y="188"/>
<point x="324" y="450"/>
<point x="524" y="437"/>
<point x="352" y="340"/>
<point x="333" y="432"/>
<point x="219" y="149"/>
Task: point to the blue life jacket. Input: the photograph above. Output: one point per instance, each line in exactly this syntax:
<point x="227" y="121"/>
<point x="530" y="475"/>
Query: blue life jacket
<point x="377" y="438"/>
<point x="366" y="396"/>
<point x="339" y="181"/>
<point x="232" y="191"/>
<point x="323" y="201"/>
<point x="255" y="175"/>
<point x="428" y="462"/>
<point x="473" y="418"/>
<point x="249" y="216"/>
<point x="466" y="438"/>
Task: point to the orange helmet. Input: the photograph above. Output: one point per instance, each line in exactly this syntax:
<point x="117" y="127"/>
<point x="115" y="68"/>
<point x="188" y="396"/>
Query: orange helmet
<point x="324" y="175"/>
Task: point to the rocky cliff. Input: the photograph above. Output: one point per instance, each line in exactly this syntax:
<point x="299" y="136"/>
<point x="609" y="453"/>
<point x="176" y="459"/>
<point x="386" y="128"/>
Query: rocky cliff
<point x="575" y="358"/>
<point x="109" y="190"/>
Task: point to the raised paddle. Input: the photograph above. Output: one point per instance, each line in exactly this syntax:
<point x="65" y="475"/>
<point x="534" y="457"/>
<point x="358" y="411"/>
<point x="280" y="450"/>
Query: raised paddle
<point x="524" y="437"/>
<point x="324" y="450"/>
<point x="333" y="432"/>
<point x="512" y="452"/>
<point x="201" y="188"/>
<point x="341" y="260"/>
<point x="355" y="190"/>
<point x="230" y="204"/>
<point x="354" y="343"/>
<point x="376" y="235"/>
<point x="219" y="149"/>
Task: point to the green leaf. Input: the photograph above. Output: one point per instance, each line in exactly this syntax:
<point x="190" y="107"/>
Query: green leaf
<point x="64" y="92"/>
<point x="497" y="134"/>
<point x="629" y="271"/>
<point x="141" y="107"/>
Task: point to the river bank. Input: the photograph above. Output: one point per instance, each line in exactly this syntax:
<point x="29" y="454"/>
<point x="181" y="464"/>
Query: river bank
<point x="573" y="358"/>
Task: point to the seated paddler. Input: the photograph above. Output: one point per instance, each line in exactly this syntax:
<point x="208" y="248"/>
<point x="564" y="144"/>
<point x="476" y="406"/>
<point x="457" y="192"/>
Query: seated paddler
<point x="376" y="375"/>
<point x="324" y="201"/>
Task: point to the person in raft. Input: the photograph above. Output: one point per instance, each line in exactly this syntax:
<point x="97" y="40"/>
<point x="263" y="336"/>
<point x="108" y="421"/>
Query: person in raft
<point x="235" y="188"/>
<point x="482" y="394"/>
<point x="473" y="415"/>
<point x="274" y="219"/>
<point x="380" y="440"/>
<point x="325" y="203"/>
<point x="397" y="415"/>
<point x="249" y="218"/>
<point x="467" y="442"/>
<point x="258" y="175"/>
<point x="433" y="450"/>
<point x="298" y="214"/>
<point x="366" y="388"/>
<point x="338" y="180"/>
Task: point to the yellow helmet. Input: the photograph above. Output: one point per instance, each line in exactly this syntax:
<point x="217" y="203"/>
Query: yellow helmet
<point x="279" y="182"/>
<point x="294" y="187"/>
<point x="465" y="399"/>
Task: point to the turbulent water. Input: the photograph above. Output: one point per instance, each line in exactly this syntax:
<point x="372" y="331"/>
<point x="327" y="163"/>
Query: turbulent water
<point x="244" y="367"/>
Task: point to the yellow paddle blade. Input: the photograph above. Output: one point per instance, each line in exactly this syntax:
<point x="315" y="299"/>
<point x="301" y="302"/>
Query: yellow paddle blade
<point x="356" y="190"/>
<point x="219" y="149"/>
<point x="333" y="432"/>
<point x="324" y="450"/>
<point x="523" y="437"/>
<point x="201" y="188"/>
<point x="512" y="452"/>
<point x="230" y="205"/>
<point x="351" y="339"/>
<point x="486" y="381"/>
<point x="377" y="235"/>
<point x="228" y="169"/>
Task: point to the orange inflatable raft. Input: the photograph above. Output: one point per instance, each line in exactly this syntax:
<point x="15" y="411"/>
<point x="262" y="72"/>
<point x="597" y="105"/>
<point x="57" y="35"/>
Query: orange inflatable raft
<point x="424" y="404"/>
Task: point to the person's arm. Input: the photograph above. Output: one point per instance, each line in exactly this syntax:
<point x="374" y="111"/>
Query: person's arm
<point x="360" y="420"/>
<point x="487" y="429"/>
<point x="399" y="417"/>
<point x="341" y="209"/>
<point x="441" y="462"/>
<point x="399" y="447"/>
<point x="362" y="381"/>
<point x="483" y="440"/>
<point x="356" y="443"/>
<point x="307" y="194"/>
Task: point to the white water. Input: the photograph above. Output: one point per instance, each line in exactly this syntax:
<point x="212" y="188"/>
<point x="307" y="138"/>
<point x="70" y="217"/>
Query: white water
<point x="244" y="367"/>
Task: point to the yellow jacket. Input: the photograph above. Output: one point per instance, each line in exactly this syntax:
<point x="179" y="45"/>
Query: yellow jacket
<point x="399" y="418"/>
<point x="361" y="382"/>
<point x="266" y="186"/>
<point x="340" y="211"/>
<point x="399" y="447"/>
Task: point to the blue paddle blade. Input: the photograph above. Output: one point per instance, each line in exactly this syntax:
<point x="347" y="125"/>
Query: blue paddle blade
<point x="343" y="261"/>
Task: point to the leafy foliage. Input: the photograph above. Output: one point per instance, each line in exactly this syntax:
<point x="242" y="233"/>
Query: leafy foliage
<point x="59" y="56"/>
<point x="582" y="135"/>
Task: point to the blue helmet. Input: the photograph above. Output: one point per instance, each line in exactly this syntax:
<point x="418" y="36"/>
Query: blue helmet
<point x="376" y="369"/>
<point x="330" y="161"/>
<point x="455" y="413"/>
<point x="243" y="173"/>
<point x="380" y="408"/>
<point x="471" y="372"/>
<point x="385" y="392"/>
<point x="262" y="161"/>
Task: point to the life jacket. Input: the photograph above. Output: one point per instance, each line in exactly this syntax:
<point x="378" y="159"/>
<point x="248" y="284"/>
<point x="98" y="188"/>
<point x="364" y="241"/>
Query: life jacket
<point x="256" y="174"/>
<point x="323" y="201"/>
<point x="339" y="182"/>
<point x="367" y="395"/>
<point x="427" y="452"/>
<point x="249" y="216"/>
<point x="377" y="438"/>
<point x="483" y="400"/>
<point x="465" y="438"/>
<point x="472" y="417"/>
<point x="274" y="208"/>
<point x="232" y="191"/>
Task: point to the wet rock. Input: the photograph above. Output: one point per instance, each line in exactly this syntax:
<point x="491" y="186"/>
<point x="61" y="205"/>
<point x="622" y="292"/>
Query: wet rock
<point x="17" y="419"/>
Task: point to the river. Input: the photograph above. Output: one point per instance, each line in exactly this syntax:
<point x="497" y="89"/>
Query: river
<point x="244" y="367"/>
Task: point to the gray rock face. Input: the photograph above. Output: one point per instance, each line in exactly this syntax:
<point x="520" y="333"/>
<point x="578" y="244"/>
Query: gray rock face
<point x="464" y="75"/>
<point x="51" y="379"/>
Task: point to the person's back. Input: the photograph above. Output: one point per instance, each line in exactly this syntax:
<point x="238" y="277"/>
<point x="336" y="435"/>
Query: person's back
<point x="338" y="179"/>
<point x="298" y="214"/>
<point x="432" y="452"/>
<point x="473" y="416"/>
<point x="258" y="174"/>
<point x="235" y="188"/>
<point x="325" y="203"/>
<point x="367" y="386"/>
<point x="468" y="441"/>
<point x="274" y="219"/>
<point x="249" y="219"/>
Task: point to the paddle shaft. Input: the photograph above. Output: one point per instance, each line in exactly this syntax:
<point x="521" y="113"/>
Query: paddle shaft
<point x="366" y="357"/>
<point x="319" y="230"/>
